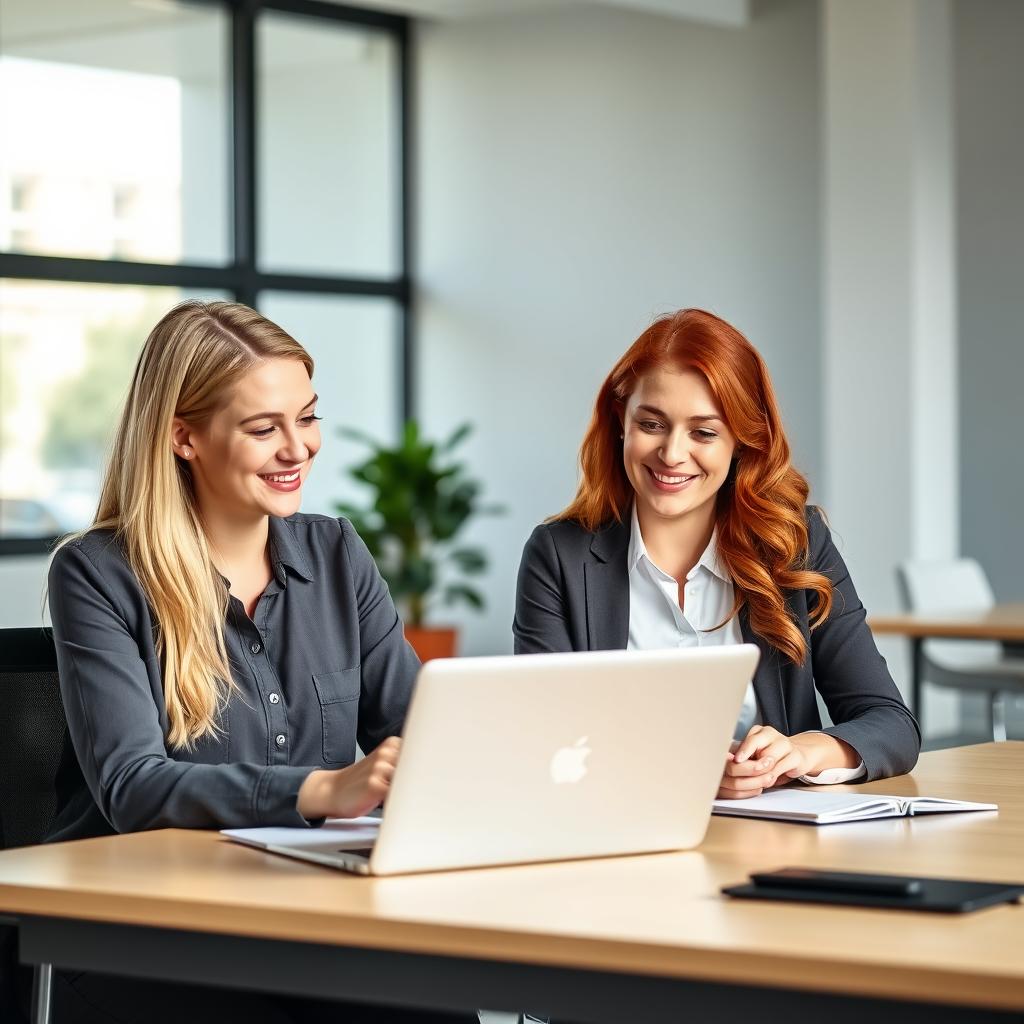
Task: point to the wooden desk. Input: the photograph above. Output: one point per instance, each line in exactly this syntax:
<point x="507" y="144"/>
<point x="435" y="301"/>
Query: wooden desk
<point x="625" y="939"/>
<point x="1004" y="622"/>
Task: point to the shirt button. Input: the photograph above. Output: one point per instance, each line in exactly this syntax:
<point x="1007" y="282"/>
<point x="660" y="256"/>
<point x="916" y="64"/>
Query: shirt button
<point x="279" y="739"/>
<point x="273" y="698"/>
<point x="255" y="647"/>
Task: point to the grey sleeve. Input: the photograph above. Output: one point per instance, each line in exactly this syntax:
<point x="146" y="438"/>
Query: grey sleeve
<point x="389" y="665"/>
<point x="115" y="723"/>
<point x="540" y="625"/>
<point x="853" y="678"/>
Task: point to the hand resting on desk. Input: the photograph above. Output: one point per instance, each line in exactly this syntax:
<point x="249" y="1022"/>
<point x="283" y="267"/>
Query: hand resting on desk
<point x="352" y="791"/>
<point x="767" y="758"/>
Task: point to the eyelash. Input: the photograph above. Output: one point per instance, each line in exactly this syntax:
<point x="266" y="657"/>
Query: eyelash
<point x="306" y="421"/>
<point x="703" y="434"/>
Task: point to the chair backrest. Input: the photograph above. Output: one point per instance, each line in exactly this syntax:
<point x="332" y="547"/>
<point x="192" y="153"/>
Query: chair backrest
<point x="951" y="585"/>
<point x="957" y="584"/>
<point x="34" y="730"/>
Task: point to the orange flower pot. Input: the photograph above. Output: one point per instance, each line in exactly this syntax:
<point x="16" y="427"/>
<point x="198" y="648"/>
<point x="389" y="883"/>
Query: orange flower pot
<point x="429" y="642"/>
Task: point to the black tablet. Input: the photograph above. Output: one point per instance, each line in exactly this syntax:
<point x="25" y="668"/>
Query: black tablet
<point x="893" y="892"/>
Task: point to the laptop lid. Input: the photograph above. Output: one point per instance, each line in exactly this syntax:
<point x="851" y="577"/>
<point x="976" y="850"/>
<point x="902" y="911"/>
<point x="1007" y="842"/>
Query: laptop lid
<point x="553" y="756"/>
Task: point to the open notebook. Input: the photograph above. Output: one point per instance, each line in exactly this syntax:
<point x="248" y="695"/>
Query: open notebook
<point x="817" y="808"/>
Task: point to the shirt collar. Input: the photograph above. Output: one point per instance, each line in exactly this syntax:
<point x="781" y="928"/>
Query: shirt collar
<point x="709" y="559"/>
<point x="637" y="550"/>
<point x="286" y="552"/>
<point x="712" y="562"/>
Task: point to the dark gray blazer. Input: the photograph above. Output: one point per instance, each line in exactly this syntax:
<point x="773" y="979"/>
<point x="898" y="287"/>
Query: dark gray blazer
<point x="573" y="595"/>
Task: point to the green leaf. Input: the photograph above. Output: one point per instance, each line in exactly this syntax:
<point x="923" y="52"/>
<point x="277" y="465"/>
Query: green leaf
<point x="417" y="576"/>
<point x="354" y="434"/>
<point x="469" y="560"/>
<point x="456" y="592"/>
<point x="458" y="436"/>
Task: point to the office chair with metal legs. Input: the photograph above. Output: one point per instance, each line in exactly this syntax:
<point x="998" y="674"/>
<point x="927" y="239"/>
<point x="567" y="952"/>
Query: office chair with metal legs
<point x="982" y="666"/>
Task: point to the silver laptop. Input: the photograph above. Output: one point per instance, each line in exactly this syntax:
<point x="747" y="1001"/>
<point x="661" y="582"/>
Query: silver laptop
<point x="545" y="757"/>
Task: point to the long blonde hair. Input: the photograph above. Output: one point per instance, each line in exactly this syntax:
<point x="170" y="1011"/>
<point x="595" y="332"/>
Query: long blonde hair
<point x="191" y="359"/>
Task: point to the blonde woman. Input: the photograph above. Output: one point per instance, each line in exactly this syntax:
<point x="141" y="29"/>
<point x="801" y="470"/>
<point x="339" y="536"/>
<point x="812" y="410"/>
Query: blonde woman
<point x="220" y="654"/>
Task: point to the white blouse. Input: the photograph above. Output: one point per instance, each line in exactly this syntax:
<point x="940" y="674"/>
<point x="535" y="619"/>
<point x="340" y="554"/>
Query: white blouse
<point x="657" y="622"/>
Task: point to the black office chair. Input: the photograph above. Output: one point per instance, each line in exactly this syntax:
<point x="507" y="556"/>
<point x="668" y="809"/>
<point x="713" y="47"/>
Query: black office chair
<point x="34" y="731"/>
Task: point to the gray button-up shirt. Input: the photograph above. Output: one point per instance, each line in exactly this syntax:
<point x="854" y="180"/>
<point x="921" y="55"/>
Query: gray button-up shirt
<point x="322" y="665"/>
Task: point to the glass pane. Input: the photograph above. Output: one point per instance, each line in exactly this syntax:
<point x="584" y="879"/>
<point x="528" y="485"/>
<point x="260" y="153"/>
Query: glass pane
<point x="354" y="343"/>
<point x="328" y="160"/>
<point x="114" y="121"/>
<point x="67" y="352"/>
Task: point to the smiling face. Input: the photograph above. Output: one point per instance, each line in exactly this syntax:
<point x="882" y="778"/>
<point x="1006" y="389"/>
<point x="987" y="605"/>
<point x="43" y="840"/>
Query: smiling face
<point x="251" y="457"/>
<point x="676" y="447"/>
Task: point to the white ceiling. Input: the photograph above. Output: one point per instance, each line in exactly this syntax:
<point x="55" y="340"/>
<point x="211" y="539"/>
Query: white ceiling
<point x="717" y="12"/>
<point x="158" y="37"/>
<point x="452" y="9"/>
<point x="164" y="37"/>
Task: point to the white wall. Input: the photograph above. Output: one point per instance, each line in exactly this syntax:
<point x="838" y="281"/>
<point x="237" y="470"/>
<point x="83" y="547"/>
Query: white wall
<point x="889" y="339"/>
<point x="990" y="168"/>
<point x="581" y="171"/>
<point x="891" y="452"/>
<point x="990" y="246"/>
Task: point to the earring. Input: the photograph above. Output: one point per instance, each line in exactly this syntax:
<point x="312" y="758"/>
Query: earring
<point x="187" y="452"/>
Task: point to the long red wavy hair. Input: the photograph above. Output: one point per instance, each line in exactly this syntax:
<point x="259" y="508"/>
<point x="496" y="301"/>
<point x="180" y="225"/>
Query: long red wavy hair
<point x="762" y="528"/>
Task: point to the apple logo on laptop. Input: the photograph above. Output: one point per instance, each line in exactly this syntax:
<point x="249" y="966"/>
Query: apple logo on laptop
<point x="568" y="765"/>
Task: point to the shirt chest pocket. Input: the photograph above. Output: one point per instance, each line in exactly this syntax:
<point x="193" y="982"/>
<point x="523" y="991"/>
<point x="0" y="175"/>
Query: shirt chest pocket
<point x="338" y="693"/>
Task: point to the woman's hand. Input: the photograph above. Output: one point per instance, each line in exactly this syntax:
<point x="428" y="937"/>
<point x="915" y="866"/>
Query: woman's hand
<point x="350" y="792"/>
<point x="763" y="758"/>
<point x="767" y="758"/>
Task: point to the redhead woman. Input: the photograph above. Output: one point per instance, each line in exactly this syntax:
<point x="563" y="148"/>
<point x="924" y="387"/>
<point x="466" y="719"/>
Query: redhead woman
<point x="220" y="654"/>
<point x="690" y="528"/>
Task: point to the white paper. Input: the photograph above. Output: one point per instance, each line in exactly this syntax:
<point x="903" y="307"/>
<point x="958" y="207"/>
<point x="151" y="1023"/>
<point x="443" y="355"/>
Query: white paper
<point x="334" y="834"/>
<point x="799" y="801"/>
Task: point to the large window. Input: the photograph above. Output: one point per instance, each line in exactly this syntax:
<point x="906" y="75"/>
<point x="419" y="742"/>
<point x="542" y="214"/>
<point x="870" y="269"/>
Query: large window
<point x="154" y="151"/>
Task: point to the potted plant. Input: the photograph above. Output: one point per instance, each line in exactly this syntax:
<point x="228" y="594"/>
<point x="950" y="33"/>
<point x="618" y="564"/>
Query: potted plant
<point x="421" y="500"/>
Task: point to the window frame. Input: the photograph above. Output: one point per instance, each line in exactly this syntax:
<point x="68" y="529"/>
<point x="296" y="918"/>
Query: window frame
<point x="241" y="276"/>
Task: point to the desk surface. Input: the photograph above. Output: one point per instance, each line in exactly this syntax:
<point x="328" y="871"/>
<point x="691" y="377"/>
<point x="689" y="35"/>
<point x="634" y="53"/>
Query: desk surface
<point x="650" y="915"/>
<point x="1003" y="622"/>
